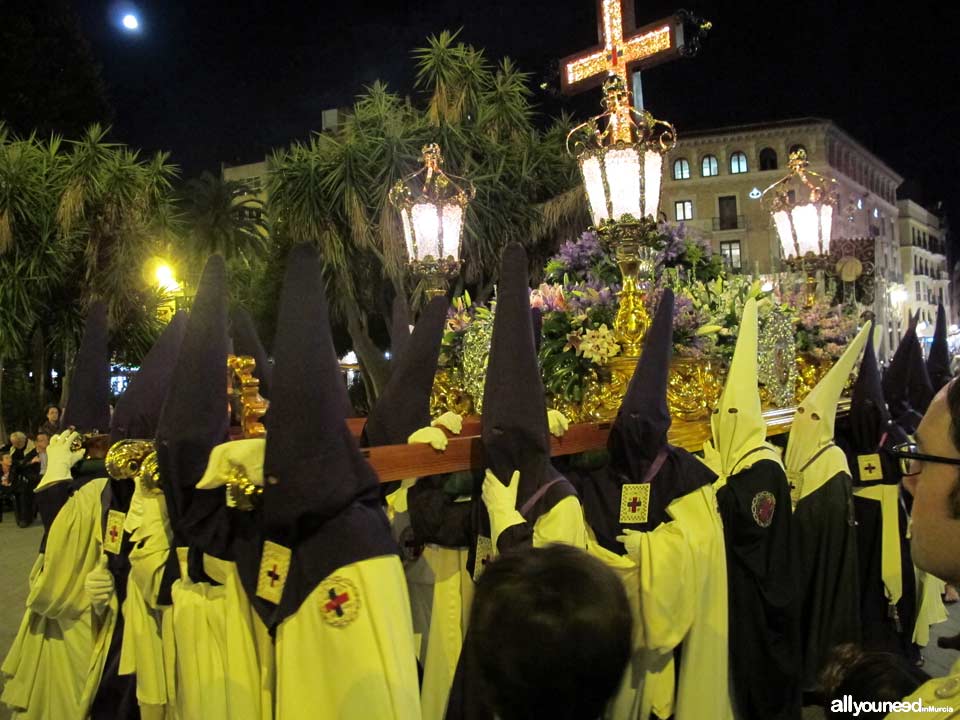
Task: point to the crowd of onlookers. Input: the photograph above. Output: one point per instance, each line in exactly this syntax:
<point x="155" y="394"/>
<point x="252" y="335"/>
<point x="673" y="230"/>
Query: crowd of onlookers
<point x="23" y="460"/>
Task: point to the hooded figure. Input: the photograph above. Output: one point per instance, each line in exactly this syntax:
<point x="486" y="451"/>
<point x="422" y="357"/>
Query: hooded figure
<point x="824" y="533"/>
<point x="525" y="500"/>
<point x="938" y="362"/>
<point x="887" y="582"/>
<point x="754" y="500"/>
<point x="54" y="666"/>
<point x="247" y="342"/>
<point x="906" y="386"/>
<point x="653" y="515"/>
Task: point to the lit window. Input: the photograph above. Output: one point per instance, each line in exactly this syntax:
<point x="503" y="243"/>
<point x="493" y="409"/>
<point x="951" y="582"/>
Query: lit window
<point x="768" y="159"/>
<point x="681" y="169"/>
<point x="730" y="252"/>
<point x="683" y="209"/>
<point x="709" y="166"/>
<point x="738" y="163"/>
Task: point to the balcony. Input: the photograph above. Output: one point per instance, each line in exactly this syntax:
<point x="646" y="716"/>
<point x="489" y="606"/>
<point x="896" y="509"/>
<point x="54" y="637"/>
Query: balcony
<point x="730" y="222"/>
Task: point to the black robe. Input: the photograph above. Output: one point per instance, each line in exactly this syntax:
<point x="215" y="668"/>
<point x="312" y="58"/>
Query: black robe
<point x="825" y="553"/>
<point x="764" y="626"/>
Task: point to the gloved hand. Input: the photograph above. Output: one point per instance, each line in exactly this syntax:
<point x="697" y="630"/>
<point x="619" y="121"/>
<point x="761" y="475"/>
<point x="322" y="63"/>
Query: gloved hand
<point x="225" y="457"/>
<point x="558" y="423"/>
<point x="451" y="421"/>
<point x="60" y="458"/>
<point x="432" y="436"/>
<point x="501" y="502"/>
<point x="99" y="586"/>
<point x="631" y="541"/>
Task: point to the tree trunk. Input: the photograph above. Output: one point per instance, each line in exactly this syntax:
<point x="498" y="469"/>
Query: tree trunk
<point x="370" y="356"/>
<point x="67" y="377"/>
<point x="39" y="357"/>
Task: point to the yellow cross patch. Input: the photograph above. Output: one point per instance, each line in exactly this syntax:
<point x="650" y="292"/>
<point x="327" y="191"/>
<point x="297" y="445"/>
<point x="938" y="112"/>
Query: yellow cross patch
<point x="114" y="532"/>
<point x="870" y="467"/>
<point x="274" y="566"/>
<point x="634" y="503"/>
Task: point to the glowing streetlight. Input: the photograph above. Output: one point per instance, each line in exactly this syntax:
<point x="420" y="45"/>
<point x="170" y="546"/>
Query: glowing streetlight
<point x="166" y="279"/>
<point x="130" y="22"/>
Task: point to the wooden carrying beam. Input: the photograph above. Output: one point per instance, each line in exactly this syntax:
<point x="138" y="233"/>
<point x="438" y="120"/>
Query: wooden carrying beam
<point x="465" y="451"/>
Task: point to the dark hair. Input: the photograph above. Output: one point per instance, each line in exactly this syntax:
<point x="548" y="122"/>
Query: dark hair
<point x="551" y="634"/>
<point x="39" y="433"/>
<point x="868" y="676"/>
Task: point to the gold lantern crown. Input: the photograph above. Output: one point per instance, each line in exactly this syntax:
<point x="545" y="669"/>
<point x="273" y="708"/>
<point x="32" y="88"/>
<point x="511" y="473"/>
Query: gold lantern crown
<point x="620" y="153"/>
<point x="802" y="205"/>
<point x="432" y="205"/>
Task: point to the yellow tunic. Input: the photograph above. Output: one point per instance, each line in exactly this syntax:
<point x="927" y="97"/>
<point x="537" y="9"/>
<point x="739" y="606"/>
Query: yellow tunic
<point x="678" y="593"/>
<point x="348" y="652"/>
<point x="53" y="668"/>
<point x="941" y="693"/>
<point x="224" y="660"/>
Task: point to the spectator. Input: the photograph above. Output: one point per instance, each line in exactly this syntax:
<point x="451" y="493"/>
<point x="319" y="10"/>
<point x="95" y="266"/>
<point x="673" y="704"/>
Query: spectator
<point x="51" y="423"/>
<point x="868" y="676"/>
<point x="6" y="482"/>
<point x="40" y="460"/>
<point x="552" y="634"/>
<point x="22" y="449"/>
<point x="26" y="476"/>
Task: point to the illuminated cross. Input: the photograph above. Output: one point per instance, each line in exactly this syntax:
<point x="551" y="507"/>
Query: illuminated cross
<point x="336" y="602"/>
<point x="617" y="53"/>
<point x="634" y="505"/>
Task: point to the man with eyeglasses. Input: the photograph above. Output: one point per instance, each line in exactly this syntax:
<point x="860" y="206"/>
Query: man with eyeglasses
<point x="931" y="470"/>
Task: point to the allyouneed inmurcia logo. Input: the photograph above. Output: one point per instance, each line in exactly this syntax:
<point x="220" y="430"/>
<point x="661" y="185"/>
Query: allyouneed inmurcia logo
<point x="847" y="704"/>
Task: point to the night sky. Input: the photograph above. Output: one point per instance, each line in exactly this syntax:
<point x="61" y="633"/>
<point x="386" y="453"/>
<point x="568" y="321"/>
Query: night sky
<point x="216" y="81"/>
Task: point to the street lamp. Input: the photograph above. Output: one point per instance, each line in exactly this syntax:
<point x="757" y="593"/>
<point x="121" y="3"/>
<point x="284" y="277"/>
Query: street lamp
<point x="620" y="153"/>
<point x="432" y="212"/>
<point x="802" y="205"/>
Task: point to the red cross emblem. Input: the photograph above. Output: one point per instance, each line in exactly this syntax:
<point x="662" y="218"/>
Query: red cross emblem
<point x="273" y="575"/>
<point x="341" y="601"/>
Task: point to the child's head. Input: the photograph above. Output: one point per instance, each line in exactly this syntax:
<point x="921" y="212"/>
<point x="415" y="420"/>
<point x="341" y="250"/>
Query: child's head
<point x="868" y="676"/>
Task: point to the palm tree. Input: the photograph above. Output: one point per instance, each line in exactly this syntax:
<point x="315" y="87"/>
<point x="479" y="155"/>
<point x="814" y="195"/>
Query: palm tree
<point x="224" y="216"/>
<point x="333" y="189"/>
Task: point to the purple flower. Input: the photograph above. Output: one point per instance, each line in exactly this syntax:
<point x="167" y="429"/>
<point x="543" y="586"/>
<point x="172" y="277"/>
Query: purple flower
<point x="578" y="255"/>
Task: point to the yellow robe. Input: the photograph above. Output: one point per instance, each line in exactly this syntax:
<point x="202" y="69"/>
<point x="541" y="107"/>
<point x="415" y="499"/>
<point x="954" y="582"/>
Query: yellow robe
<point x="678" y="593"/>
<point x="440" y="579"/>
<point x="224" y="661"/>
<point x="348" y="652"/>
<point x="53" y="668"/>
<point x="147" y="650"/>
<point x="942" y="693"/>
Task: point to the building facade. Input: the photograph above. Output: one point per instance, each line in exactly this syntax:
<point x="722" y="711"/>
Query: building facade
<point x="923" y="257"/>
<point x="714" y="181"/>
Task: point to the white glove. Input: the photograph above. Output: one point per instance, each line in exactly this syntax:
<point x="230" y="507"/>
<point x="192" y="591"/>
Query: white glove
<point x="432" y="436"/>
<point x="631" y="541"/>
<point x="558" y="423"/>
<point x="99" y="586"/>
<point x="451" y="421"/>
<point x="247" y="454"/>
<point x="60" y="458"/>
<point x="501" y="502"/>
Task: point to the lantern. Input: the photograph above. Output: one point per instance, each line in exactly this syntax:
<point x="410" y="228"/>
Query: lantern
<point x="802" y="205"/>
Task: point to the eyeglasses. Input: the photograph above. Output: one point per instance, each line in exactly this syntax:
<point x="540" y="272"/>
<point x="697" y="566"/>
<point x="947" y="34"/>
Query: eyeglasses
<point x="911" y="459"/>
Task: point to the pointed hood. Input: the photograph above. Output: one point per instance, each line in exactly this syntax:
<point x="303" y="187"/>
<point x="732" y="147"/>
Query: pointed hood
<point x="640" y="429"/>
<point x="88" y="406"/>
<point x="868" y="426"/>
<point x="920" y="388"/>
<point x="514" y="424"/>
<point x="247" y="342"/>
<point x="137" y="412"/>
<point x="813" y="423"/>
<point x="310" y="452"/>
<point x="195" y="417"/>
<point x="938" y="362"/>
<point x="399" y="327"/>
<point x="537" y="319"/>
<point x="737" y="423"/>
<point x="404" y="405"/>
<point x="896" y="383"/>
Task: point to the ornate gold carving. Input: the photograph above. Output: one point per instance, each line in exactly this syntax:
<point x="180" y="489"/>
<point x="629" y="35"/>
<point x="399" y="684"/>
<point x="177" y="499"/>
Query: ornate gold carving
<point x="245" y="388"/>
<point x="693" y="388"/>
<point x="150" y="475"/>
<point x="241" y="490"/>
<point x="124" y="458"/>
<point x="448" y="394"/>
<point x="810" y="370"/>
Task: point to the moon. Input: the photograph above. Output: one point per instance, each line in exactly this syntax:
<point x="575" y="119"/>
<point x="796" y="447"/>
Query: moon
<point x="130" y="22"/>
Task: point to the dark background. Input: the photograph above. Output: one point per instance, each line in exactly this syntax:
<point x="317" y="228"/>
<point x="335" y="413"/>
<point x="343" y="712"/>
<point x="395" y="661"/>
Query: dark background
<point x="213" y="81"/>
